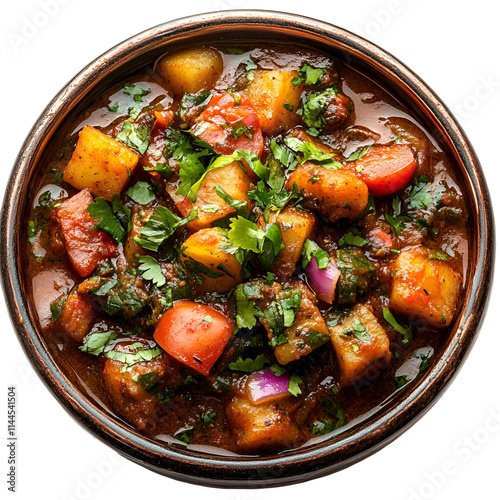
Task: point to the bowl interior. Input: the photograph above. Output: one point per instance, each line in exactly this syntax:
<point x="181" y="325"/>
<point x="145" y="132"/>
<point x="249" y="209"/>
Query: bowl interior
<point x="354" y="441"/>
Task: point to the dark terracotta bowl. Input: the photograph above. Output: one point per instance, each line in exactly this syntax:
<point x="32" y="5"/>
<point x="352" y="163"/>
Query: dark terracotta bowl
<point x="352" y="443"/>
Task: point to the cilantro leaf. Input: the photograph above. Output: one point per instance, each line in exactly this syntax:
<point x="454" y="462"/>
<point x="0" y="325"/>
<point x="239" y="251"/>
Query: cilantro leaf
<point x="141" y="192"/>
<point x="284" y="155"/>
<point x="311" y="152"/>
<point x="397" y="220"/>
<point x="294" y="385"/>
<point x="420" y="196"/>
<point x="309" y="75"/>
<point x="239" y="205"/>
<point x="136" y="137"/>
<point x="246" y="310"/>
<point x="95" y="343"/>
<point x="131" y="358"/>
<point x="353" y="239"/>
<point x="151" y="270"/>
<point x="358" y="154"/>
<point x="406" y="331"/>
<point x="137" y="93"/>
<point x="311" y="249"/>
<point x="249" y="365"/>
<point x="246" y="234"/>
<point x="312" y="110"/>
<point x="360" y="331"/>
<point x="102" y="211"/>
<point x="161" y="226"/>
<point x="163" y="169"/>
<point x="190" y="100"/>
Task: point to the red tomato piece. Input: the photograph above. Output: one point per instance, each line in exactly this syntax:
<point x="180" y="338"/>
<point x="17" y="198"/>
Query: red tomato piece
<point x="163" y="119"/>
<point x="86" y="245"/>
<point x="194" y="334"/>
<point x="230" y="122"/>
<point x="385" y="169"/>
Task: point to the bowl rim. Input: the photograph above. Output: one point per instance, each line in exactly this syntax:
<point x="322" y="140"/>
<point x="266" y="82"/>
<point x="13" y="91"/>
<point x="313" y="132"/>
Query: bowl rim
<point x="303" y="463"/>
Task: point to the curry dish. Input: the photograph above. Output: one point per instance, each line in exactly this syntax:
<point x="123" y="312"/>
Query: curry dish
<point x="246" y="248"/>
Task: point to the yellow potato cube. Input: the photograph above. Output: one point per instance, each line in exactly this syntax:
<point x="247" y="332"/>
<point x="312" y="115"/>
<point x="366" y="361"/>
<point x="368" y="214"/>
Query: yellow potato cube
<point x="424" y="286"/>
<point x="100" y="163"/>
<point x="210" y="267"/>
<point x="261" y="428"/>
<point x="361" y="346"/>
<point x="334" y="193"/>
<point x="191" y="70"/>
<point x="308" y="331"/>
<point x="211" y="207"/>
<point x="295" y="226"/>
<point x="275" y="99"/>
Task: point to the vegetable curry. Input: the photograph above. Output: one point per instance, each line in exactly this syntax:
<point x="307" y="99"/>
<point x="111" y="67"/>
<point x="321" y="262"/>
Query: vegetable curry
<point x="246" y="248"/>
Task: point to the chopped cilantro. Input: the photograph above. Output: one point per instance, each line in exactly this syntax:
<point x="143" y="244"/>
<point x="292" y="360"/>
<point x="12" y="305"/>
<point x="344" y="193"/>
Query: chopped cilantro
<point x="161" y="226"/>
<point x="56" y="307"/>
<point x="405" y="331"/>
<point x="246" y="234"/>
<point x="312" y="110"/>
<point x="278" y="370"/>
<point x="136" y="137"/>
<point x="208" y="417"/>
<point x="108" y="220"/>
<point x="309" y="75"/>
<point x="163" y="169"/>
<point x="131" y="358"/>
<point x="311" y="249"/>
<point x="360" y="331"/>
<point x="249" y="365"/>
<point x="249" y="64"/>
<point x="312" y="153"/>
<point x="438" y="256"/>
<point x="420" y="196"/>
<point x="288" y="107"/>
<point x="235" y="51"/>
<point x="141" y="192"/>
<point x="114" y="107"/>
<point x="151" y="270"/>
<point x="137" y="93"/>
<point x="358" y="154"/>
<point x="239" y="205"/>
<point x="95" y="343"/>
<point x="352" y="239"/>
<point x="246" y="310"/>
<point x="190" y="100"/>
<point x="184" y="434"/>
<point x="294" y="384"/>
<point x="397" y="220"/>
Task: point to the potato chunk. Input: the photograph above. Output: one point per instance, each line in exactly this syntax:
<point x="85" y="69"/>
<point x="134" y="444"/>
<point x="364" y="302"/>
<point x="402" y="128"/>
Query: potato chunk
<point x="295" y="226"/>
<point x="262" y="428"/>
<point x="361" y="346"/>
<point x="211" y="207"/>
<point x="212" y="269"/>
<point x="334" y="193"/>
<point x="275" y="99"/>
<point x="100" y="163"/>
<point x="191" y="70"/>
<point x="308" y="330"/>
<point x="424" y="286"/>
<point x="132" y="391"/>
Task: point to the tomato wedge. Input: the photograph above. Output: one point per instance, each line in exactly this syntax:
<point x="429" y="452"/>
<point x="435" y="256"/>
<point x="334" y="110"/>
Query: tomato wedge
<point x="86" y="245"/>
<point x="194" y="334"/>
<point x="230" y="122"/>
<point x="385" y="169"/>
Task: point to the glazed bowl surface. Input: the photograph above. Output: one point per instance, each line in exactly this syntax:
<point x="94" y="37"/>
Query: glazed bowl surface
<point x="352" y="443"/>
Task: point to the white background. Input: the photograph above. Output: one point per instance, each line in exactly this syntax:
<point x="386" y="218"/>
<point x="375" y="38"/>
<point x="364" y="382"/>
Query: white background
<point x="454" y="451"/>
